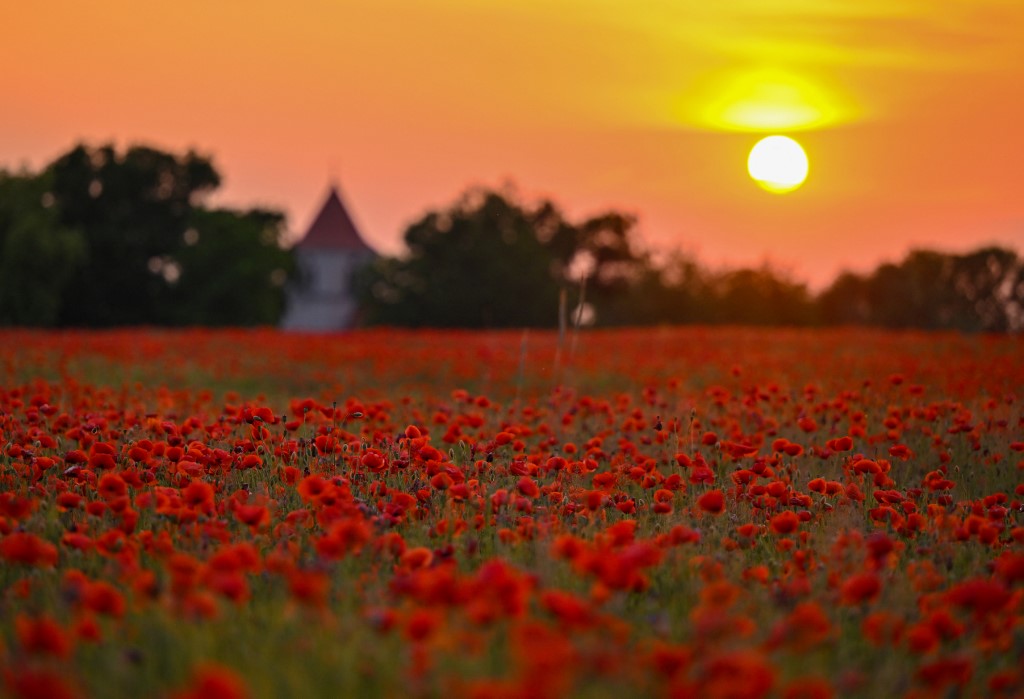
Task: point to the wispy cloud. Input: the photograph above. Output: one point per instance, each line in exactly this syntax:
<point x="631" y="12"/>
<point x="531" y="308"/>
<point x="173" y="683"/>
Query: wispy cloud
<point x="916" y="34"/>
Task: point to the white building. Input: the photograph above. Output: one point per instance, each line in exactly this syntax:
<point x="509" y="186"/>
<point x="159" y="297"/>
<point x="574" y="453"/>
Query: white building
<point x="320" y="299"/>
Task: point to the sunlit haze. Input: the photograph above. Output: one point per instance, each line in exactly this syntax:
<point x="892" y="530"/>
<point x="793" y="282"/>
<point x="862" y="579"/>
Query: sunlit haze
<point x="910" y="111"/>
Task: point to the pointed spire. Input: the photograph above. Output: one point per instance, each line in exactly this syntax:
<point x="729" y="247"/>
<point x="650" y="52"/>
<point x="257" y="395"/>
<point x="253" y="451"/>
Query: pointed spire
<point x="333" y="228"/>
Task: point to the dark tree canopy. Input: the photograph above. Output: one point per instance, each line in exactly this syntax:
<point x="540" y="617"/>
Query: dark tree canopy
<point x="232" y="269"/>
<point x="980" y="291"/>
<point x="489" y="261"/>
<point x="762" y="297"/>
<point x="38" y="255"/>
<point x="102" y="237"/>
<point x="105" y="238"/>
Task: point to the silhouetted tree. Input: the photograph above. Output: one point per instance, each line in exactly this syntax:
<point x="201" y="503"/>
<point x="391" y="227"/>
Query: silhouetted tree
<point x="890" y="296"/>
<point x="489" y="261"/>
<point x="761" y="296"/>
<point x="133" y="209"/>
<point x="232" y="269"/>
<point x="103" y="238"/>
<point x="988" y="290"/>
<point x="914" y="293"/>
<point x="676" y="290"/>
<point x="478" y="263"/>
<point x="981" y="291"/>
<point x="38" y="256"/>
<point x="845" y="301"/>
<point x="612" y="271"/>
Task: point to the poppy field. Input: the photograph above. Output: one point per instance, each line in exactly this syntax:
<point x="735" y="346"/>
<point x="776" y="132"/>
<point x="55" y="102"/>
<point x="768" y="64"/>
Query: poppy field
<point x="666" y="512"/>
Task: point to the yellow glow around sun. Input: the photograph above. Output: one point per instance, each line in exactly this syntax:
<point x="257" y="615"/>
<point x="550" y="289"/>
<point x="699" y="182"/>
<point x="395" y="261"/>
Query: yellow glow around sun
<point x="764" y="100"/>
<point x="778" y="164"/>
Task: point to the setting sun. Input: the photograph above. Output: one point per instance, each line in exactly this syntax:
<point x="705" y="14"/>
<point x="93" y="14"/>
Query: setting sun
<point x="778" y="164"/>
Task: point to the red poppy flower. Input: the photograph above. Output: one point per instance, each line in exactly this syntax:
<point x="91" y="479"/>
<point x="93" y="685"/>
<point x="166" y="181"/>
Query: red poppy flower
<point x="786" y="522"/>
<point x="922" y="638"/>
<point x="36" y="683"/>
<point x="712" y="502"/>
<point x="42" y="635"/>
<point x="373" y="460"/>
<point x="421" y="624"/>
<point x="567" y="608"/>
<point x="840" y="444"/>
<point x="103" y="598"/>
<point x="442" y="481"/>
<point x="28" y="549"/>
<point x="308" y="587"/>
<point x="251" y="461"/>
<point x="252" y="515"/>
<point x="980" y="595"/>
<point x="1010" y="567"/>
<point x="808" y="688"/>
<point x="860" y="589"/>
<point x="76" y="456"/>
<point x="737" y="450"/>
<point x="198" y="495"/>
<point x="528" y="487"/>
<point x="418" y="557"/>
<point x="111" y="486"/>
<point x="866" y="466"/>
<point x="901" y="451"/>
<point x="312" y="487"/>
<point x="215" y="682"/>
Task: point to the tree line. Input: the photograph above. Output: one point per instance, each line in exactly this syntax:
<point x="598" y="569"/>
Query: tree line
<point x="489" y="260"/>
<point x="106" y="238"/>
<point x="101" y="237"/>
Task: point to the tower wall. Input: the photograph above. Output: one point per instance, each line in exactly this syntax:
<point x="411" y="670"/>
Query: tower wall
<point x="321" y="299"/>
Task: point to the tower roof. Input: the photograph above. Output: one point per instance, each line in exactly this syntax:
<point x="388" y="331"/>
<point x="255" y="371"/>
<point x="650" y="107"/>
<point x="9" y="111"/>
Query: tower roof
<point x="333" y="228"/>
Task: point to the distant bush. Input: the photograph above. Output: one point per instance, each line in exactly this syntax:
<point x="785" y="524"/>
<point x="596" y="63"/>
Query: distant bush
<point x="104" y="238"/>
<point x="490" y="261"/>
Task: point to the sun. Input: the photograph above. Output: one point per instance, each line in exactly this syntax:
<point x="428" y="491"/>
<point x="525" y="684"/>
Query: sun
<point x="778" y="164"/>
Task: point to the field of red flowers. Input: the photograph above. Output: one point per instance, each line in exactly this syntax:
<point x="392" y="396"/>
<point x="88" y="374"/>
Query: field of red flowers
<point x="661" y="512"/>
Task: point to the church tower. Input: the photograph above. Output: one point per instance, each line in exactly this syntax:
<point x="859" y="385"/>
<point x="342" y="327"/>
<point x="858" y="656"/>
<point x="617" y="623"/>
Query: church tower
<point x="327" y="257"/>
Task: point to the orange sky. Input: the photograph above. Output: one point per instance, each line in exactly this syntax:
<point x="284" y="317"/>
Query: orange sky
<point x="911" y="111"/>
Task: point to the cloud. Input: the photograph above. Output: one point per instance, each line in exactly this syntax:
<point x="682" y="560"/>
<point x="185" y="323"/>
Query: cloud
<point x="913" y="34"/>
